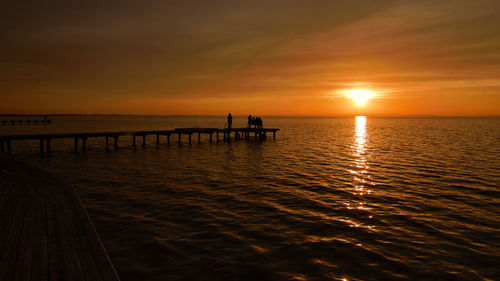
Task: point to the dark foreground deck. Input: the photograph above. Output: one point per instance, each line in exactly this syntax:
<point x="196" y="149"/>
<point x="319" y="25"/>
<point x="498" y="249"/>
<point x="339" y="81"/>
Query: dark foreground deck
<point x="45" y="139"/>
<point x="45" y="232"/>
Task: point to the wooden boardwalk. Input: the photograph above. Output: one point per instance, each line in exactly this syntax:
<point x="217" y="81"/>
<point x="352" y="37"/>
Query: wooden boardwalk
<point x="46" y="139"/>
<point x="45" y="232"/>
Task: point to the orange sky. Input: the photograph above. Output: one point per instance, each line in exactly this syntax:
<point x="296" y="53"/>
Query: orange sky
<point x="275" y="57"/>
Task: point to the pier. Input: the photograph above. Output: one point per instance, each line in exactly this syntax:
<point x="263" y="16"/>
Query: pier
<point x="46" y="233"/>
<point x="80" y="139"/>
<point x="25" y="120"/>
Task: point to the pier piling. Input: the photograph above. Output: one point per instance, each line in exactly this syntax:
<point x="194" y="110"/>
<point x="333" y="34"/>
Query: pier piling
<point x="84" y="144"/>
<point x="48" y="145"/>
<point x="76" y="144"/>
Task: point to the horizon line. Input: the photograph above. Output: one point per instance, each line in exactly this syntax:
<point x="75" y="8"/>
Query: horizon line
<point x="239" y="115"/>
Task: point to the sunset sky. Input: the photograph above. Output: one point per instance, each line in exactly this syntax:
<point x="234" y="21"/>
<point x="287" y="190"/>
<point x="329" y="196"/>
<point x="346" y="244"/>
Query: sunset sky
<point x="273" y="57"/>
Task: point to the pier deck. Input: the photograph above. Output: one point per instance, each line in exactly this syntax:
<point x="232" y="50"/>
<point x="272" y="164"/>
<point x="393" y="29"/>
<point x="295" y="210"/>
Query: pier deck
<point x="46" y="233"/>
<point x="45" y="139"/>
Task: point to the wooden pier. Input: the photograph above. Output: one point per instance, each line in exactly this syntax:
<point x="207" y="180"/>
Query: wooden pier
<point x="226" y="135"/>
<point x="46" y="233"/>
<point x="25" y="120"/>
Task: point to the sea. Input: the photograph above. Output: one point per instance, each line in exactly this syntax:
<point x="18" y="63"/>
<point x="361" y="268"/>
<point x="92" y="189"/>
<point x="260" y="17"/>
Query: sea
<point x="351" y="198"/>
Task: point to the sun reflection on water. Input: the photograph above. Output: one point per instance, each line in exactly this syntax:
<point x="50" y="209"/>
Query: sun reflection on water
<point x="360" y="168"/>
<point x="360" y="161"/>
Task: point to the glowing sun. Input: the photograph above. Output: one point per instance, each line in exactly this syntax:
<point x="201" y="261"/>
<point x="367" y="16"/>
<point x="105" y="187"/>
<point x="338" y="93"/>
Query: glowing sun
<point x="360" y="96"/>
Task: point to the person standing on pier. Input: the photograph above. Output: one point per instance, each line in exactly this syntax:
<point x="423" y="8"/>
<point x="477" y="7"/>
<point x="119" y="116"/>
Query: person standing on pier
<point x="229" y="122"/>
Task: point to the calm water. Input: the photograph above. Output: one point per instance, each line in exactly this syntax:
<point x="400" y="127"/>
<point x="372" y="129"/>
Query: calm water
<point x="331" y="198"/>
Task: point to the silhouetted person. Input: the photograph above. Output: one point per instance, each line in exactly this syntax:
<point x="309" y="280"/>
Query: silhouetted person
<point x="229" y="122"/>
<point x="249" y="120"/>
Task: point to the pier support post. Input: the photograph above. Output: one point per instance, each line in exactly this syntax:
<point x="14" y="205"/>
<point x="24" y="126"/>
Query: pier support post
<point x="168" y="139"/>
<point x="84" y="144"/>
<point x="144" y="141"/>
<point x="210" y="137"/>
<point x="9" y="149"/>
<point x="157" y="139"/>
<point x="76" y="144"/>
<point x="190" y="138"/>
<point x="274" y="135"/>
<point x="107" y="142"/>
<point x="179" y="135"/>
<point x="41" y="145"/>
<point x="217" y="135"/>
<point x="116" y="142"/>
<point x="133" y="140"/>
<point x="199" y="137"/>
<point x="48" y="145"/>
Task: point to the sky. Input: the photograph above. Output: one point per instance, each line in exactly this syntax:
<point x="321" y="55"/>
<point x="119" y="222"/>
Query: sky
<point x="273" y="57"/>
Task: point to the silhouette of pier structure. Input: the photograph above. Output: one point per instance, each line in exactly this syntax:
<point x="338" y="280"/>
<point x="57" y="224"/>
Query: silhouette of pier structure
<point x="245" y="133"/>
<point x="25" y="120"/>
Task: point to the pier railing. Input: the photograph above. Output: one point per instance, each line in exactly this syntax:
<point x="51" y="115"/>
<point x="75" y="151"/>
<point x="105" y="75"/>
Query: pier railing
<point x="46" y="139"/>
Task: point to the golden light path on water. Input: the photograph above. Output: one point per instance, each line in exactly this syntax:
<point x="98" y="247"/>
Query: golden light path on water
<point x="360" y="166"/>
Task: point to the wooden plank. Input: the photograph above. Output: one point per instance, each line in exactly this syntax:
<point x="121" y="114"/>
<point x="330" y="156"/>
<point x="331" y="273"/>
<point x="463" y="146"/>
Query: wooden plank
<point x="88" y="264"/>
<point x="25" y="250"/>
<point x="54" y="242"/>
<point x="69" y="249"/>
<point x="106" y="267"/>
<point x="40" y="267"/>
<point x="9" y="255"/>
<point x="9" y="205"/>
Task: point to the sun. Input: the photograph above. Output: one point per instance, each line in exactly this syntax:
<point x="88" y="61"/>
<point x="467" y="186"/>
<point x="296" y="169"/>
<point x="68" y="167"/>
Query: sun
<point x="360" y="96"/>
